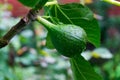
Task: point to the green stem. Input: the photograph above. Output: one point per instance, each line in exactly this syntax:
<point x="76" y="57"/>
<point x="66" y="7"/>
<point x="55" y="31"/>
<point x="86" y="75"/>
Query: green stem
<point x="114" y="2"/>
<point x="45" y="22"/>
<point x="82" y="2"/>
<point x="51" y="3"/>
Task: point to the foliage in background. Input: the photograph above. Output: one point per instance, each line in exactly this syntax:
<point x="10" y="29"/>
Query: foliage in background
<point x="41" y="63"/>
<point x="26" y="60"/>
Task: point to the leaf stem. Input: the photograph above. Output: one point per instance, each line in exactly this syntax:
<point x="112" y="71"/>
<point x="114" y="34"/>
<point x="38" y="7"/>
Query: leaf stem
<point x="51" y="3"/>
<point x="45" y="22"/>
<point x="114" y="2"/>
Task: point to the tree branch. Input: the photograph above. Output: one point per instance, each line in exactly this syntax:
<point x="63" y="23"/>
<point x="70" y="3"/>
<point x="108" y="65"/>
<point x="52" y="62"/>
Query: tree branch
<point x="31" y="16"/>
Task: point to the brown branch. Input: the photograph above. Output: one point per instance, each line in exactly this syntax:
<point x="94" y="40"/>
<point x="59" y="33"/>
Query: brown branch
<point x="31" y="16"/>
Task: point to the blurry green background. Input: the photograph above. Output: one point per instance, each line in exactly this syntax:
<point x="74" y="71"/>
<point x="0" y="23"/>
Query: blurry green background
<point x="28" y="58"/>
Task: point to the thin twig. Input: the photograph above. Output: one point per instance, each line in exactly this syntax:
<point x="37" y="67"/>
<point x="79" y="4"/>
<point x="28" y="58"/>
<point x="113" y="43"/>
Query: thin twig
<point x="114" y="2"/>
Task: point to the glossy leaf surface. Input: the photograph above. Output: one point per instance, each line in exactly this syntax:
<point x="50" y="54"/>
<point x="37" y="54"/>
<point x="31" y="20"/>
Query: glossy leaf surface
<point x="79" y="15"/>
<point x="82" y="70"/>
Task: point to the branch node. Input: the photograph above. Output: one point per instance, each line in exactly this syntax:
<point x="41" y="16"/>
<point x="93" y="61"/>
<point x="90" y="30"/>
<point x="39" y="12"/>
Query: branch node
<point x="32" y="14"/>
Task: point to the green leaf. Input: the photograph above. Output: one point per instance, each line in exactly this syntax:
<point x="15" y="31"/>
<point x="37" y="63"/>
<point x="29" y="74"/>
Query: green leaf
<point x="72" y="11"/>
<point x="49" y="43"/>
<point x="37" y="4"/>
<point x="92" y="29"/>
<point x="82" y="70"/>
<point x="79" y="15"/>
<point x="30" y="3"/>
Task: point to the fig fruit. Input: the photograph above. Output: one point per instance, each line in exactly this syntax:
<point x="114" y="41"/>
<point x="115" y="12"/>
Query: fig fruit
<point x="68" y="39"/>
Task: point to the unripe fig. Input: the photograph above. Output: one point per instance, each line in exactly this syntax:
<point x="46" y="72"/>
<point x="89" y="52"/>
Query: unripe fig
<point x="68" y="39"/>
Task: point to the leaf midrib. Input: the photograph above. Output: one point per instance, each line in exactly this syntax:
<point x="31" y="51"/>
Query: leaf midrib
<point x="79" y="70"/>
